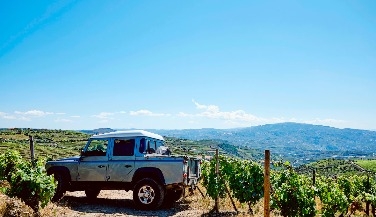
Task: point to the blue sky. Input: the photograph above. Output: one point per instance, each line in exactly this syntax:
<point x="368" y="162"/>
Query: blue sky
<point x="187" y="64"/>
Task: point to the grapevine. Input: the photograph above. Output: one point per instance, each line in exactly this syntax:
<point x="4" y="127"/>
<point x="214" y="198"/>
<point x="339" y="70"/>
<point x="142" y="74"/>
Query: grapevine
<point x="332" y="197"/>
<point x="215" y="188"/>
<point x="245" y="179"/>
<point x="27" y="182"/>
<point x="293" y="193"/>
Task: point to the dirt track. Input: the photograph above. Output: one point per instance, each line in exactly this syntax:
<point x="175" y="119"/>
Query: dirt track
<point x="113" y="203"/>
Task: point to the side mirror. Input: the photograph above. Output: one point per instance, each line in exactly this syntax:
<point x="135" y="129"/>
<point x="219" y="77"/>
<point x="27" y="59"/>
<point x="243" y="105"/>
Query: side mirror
<point x="82" y="153"/>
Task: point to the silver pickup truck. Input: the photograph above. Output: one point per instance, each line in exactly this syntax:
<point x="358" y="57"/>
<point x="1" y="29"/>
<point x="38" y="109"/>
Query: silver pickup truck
<point x="134" y="160"/>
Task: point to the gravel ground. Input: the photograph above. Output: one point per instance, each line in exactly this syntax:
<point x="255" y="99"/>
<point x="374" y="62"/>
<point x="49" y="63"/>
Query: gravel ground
<point x="112" y="203"/>
<point x="120" y="203"/>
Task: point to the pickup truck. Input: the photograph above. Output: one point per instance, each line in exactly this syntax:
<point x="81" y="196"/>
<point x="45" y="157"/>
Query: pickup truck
<point x="134" y="160"/>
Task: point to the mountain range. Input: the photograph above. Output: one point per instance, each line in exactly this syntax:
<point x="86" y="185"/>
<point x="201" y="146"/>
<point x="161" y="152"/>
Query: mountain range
<point x="295" y="142"/>
<point x="298" y="143"/>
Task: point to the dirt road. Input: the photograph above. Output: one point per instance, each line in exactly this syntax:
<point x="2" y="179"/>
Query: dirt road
<point x="113" y="203"/>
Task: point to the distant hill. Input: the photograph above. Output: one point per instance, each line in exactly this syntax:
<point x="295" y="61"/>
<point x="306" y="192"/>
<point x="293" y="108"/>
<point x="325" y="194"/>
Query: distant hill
<point x="298" y="143"/>
<point x="64" y="143"/>
<point x="295" y="142"/>
<point x="98" y="131"/>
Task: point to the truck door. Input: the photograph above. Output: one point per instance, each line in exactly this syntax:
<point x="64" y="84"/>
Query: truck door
<point x="122" y="160"/>
<point x="94" y="161"/>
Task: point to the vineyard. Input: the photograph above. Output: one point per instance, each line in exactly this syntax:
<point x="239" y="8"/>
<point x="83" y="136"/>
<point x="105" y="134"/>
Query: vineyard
<point x="26" y="180"/>
<point x="324" y="188"/>
<point x="56" y="144"/>
<point x="292" y="193"/>
<point x="48" y="143"/>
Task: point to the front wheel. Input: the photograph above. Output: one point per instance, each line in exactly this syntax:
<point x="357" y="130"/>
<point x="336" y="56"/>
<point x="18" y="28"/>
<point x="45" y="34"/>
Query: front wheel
<point x="60" y="188"/>
<point x="148" y="194"/>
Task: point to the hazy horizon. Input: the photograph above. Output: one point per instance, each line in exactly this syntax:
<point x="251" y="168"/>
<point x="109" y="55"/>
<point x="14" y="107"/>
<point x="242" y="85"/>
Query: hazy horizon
<point x="181" y="128"/>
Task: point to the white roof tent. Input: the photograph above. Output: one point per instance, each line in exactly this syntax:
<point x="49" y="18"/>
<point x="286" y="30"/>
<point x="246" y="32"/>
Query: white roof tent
<point x="128" y="133"/>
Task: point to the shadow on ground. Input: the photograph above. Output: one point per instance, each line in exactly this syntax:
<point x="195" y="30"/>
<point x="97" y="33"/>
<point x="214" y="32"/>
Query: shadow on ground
<point x="117" y="206"/>
<point x="213" y="213"/>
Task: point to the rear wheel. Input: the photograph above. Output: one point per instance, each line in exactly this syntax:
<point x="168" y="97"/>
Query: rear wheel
<point x="148" y="194"/>
<point x="172" y="196"/>
<point x="92" y="193"/>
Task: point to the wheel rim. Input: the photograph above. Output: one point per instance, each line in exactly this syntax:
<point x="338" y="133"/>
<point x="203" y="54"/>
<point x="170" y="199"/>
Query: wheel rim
<point x="146" y="194"/>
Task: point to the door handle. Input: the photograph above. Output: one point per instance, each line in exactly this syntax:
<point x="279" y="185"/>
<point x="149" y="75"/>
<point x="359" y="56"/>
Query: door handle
<point x="127" y="166"/>
<point x="101" y="166"/>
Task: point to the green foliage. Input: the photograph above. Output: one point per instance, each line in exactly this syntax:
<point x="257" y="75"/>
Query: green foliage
<point x="331" y="167"/>
<point x="293" y="193"/>
<point x="27" y="182"/>
<point x="367" y="164"/>
<point x="214" y="186"/>
<point x="331" y="196"/>
<point x="245" y="179"/>
<point x="230" y="149"/>
<point x="9" y="162"/>
<point x="47" y="143"/>
<point x="352" y="187"/>
<point x="369" y="192"/>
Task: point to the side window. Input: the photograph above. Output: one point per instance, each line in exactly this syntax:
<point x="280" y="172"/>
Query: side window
<point x="124" y="147"/>
<point x="159" y="144"/>
<point x="142" y="145"/>
<point x="97" y="148"/>
<point x="151" y="146"/>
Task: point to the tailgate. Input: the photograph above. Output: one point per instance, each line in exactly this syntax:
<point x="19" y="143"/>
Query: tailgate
<point x="194" y="171"/>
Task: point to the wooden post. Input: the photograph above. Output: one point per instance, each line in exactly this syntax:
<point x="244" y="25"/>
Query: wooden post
<point x="31" y="149"/>
<point x="314" y="176"/>
<point x="217" y="174"/>
<point x="267" y="184"/>
<point x="367" y="202"/>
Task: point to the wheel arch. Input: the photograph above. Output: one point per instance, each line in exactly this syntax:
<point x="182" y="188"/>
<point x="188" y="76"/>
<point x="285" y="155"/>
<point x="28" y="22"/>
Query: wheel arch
<point x="148" y="172"/>
<point x="60" y="169"/>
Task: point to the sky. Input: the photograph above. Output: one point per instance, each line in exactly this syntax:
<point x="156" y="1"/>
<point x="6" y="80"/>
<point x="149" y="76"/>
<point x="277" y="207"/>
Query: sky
<point x="187" y="64"/>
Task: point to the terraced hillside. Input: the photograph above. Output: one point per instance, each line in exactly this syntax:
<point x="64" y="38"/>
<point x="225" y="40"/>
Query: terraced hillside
<point x="337" y="167"/>
<point x="63" y="143"/>
<point x="367" y="164"/>
<point x="48" y="143"/>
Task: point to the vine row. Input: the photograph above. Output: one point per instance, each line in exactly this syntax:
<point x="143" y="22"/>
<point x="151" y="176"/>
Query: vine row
<point x="292" y="194"/>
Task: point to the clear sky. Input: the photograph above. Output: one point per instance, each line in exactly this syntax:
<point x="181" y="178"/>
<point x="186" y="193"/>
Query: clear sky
<point x="187" y="64"/>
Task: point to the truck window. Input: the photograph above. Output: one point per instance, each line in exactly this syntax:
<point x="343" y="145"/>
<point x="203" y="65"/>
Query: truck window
<point x="159" y="143"/>
<point x="97" y="148"/>
<point x="124" y="147"/>
<point x="151" y="147"/>
<point x="142" y="145"/>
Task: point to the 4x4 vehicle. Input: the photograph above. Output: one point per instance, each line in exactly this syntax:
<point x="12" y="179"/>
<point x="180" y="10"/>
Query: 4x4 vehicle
<point x="127" y="160"/>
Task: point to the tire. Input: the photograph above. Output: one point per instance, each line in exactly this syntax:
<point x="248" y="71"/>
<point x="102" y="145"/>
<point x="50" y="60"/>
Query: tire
<point x="172" y="196"/>
<point x="176" y="194"/>
<point x="92" y="193"/>
<point x="61" y="186"/>
<point x="148" y="194"/>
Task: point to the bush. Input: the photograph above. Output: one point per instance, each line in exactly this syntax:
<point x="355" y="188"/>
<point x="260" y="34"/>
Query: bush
<point x="293" y="194"/>
<point x="28" y="182"/>
<point x="9" y="161"/>
<point x="214" y="186"/>
<point x="246" y="180"/>
<point x="332" y="197"/>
